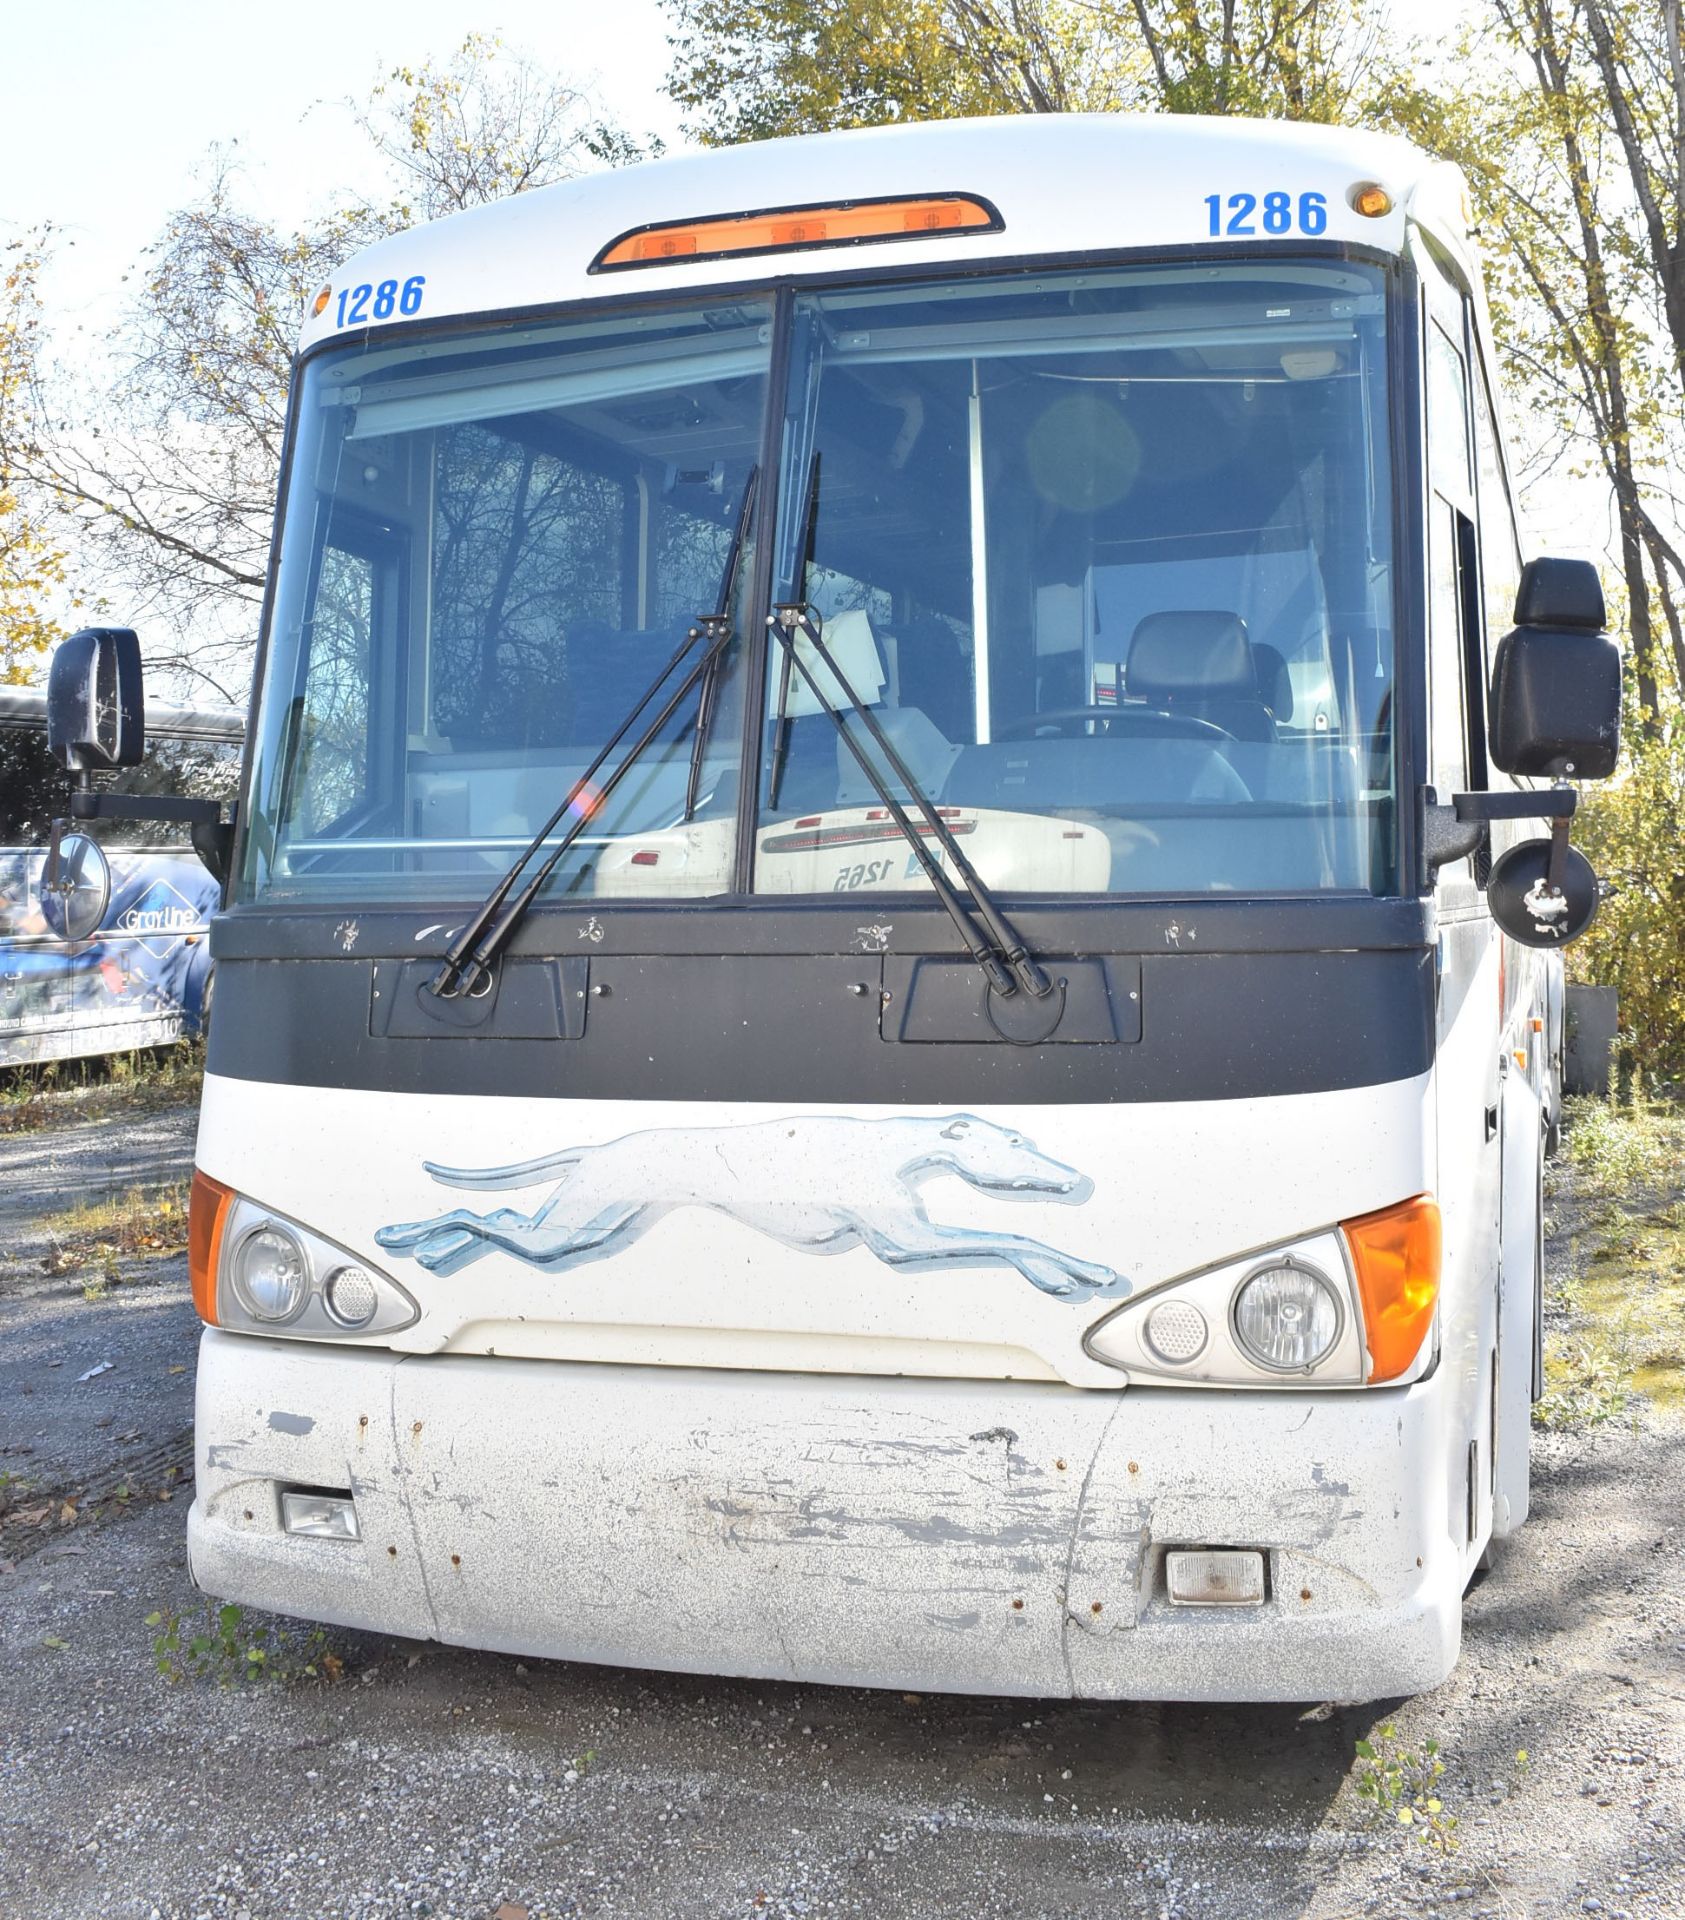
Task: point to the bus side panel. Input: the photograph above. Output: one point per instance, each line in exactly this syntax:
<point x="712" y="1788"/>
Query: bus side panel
<point x="1519" y="1297"/>
<point x="1467" y="1102"/>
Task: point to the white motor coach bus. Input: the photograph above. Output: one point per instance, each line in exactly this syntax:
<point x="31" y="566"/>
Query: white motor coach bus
<point x="880" y="1009"/>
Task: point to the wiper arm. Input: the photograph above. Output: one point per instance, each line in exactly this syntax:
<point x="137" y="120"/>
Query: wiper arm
<point x="998" y="949"/>
<point x="710" y="624"/>
<point x="797" y="585"/>
<point x="471" y="956"/>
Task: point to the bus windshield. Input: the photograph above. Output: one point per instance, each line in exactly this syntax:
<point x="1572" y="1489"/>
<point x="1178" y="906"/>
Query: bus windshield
<point x="492" y="544"/>
<point x="1106" y="552"/>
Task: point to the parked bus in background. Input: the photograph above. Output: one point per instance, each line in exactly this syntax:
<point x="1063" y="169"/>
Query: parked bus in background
<point x="136" y="971"/>
<point x="881" y="1014"/>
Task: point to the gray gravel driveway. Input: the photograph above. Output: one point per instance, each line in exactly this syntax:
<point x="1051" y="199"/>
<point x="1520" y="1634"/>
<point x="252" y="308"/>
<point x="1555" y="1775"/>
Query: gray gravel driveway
<point x="429" y="1781"/>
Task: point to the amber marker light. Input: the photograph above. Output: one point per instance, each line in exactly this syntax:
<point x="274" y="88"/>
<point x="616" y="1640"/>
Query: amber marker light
<point x="321" y="305"/>
<point x="845" y="223"/>
<point x="1370" y="199"/>
<point x="1395" y="1255"/>
<point x="207" y="1214"/>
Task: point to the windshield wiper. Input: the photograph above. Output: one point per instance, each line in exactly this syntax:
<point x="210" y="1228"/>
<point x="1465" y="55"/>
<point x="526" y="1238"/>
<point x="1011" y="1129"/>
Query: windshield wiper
<point x="716" y="628"/>
<point x="471" y="956"/>
<point x="1000" y="951"/>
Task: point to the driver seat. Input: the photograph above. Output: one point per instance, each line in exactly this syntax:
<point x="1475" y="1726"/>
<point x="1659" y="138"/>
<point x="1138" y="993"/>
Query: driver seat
<point x="1199" y="662"/>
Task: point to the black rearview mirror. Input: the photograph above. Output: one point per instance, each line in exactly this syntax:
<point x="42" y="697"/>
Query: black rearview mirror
<point x="96" y="707"/>
<point x="1556" y="682"/>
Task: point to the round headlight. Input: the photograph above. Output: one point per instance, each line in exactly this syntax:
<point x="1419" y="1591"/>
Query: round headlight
<point x="351" y="1297"/>
<point x="1286" y="1317"/>
<point x="271" y="1276"/>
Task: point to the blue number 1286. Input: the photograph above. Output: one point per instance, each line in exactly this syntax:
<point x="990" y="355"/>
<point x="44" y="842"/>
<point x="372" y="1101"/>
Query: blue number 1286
<point x="1267" y="213"/>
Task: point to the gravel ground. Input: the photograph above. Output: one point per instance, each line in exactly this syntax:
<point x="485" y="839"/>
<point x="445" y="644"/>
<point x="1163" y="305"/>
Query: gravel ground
<point x="432" y="1781"/>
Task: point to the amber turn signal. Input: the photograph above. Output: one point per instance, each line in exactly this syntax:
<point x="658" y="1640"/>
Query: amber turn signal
<point x="1395" y="1255"/>
<point x="1370" y="199"/>
<point x="207" y="1213"/>
<point x="775" y="230"/>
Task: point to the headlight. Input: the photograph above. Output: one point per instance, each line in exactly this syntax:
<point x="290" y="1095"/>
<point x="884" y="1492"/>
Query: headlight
<point x="1286" y="1317"/>
<point x="269" y="1274"/>
<point x="257" y="1271"/>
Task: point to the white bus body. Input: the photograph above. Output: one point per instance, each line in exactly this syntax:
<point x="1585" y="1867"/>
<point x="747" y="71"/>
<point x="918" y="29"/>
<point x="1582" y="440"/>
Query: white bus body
<point x="723" y="1284"/>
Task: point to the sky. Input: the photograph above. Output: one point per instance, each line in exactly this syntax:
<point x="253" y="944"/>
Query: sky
<point x="118" y="102"/>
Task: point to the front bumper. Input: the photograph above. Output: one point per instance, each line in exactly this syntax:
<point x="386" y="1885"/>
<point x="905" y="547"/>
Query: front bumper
<point x="970" y="1536"/>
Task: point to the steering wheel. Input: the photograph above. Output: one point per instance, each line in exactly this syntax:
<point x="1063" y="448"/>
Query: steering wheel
<point x="1059" y="723"/>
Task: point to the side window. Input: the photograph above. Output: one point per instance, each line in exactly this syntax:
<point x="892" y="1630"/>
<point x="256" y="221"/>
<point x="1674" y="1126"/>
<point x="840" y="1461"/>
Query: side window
<point x="1450" y="542"/>
<point x="331" y="714"/>
<point x="1500" y="553"/>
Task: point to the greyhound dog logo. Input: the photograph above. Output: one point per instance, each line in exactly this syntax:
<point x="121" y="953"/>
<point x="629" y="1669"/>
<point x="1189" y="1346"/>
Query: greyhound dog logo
<point x="815" y="1184"/>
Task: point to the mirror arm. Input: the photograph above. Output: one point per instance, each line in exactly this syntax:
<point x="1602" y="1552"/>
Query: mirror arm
<point x="86" y="805"/>
<point x="211" y="834"/>
<point x="1452" y="830"/>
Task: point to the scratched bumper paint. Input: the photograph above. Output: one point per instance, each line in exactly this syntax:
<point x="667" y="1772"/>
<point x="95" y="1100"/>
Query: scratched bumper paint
<point x="969" y="1536"/>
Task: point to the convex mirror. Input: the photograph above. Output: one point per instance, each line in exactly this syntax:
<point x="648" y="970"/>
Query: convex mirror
<point x="74" y="900"/>
<point x="1528" y="908"/>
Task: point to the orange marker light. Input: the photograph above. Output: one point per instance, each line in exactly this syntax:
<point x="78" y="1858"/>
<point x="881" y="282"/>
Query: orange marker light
<point x="775" y="229"/>
<point x="1395" y="1255"/>
<point x="1370" y="199"/>
<point x="321" y="303"/>
<point x="207" y="1213"/>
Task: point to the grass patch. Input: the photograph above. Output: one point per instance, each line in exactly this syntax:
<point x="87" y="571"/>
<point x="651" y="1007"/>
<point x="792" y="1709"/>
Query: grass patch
<point x="100" y="1234"/>
<point x="224" y="1645"/>
<point x="56" y="1092"/>
<point x="1619" y="1148"/>
<point x="1619" y="1300"/>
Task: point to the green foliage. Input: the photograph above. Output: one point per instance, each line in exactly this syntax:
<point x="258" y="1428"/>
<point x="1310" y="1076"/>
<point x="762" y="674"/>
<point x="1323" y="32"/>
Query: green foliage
<point x="31" y="559"/>
<point x="1629" y="830"/>
<point x="1618" y="1300"/>
<point x="226" y="1647"/>
<point x="756" y="69"/>
<point x="1400" y="1786"/>
<point x="1621" y="1148"/>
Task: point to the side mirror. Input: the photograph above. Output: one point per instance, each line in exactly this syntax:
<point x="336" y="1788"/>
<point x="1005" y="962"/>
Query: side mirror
<point x="96" y="707"/>
<point x="1556" y="682"/>
<point x="75" y="889"/>
<point x="1533" y="908"/>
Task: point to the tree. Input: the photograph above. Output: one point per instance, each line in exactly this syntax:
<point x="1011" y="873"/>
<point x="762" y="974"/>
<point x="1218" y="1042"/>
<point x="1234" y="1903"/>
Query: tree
<point x="1568" y="116"/>
<point x="31" y="561"/>
<point x="480" y="128"/>
<point x="754" y="69"/>
<point x="166" y="478"/>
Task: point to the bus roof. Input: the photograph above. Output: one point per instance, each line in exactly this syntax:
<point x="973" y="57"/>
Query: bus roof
<point x="1063" y="184"/>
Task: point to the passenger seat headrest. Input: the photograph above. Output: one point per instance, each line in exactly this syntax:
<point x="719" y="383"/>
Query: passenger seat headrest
<point x="1275" y="683"/>
<point x="850" y="642"/>
<point x="1200" y="652"/>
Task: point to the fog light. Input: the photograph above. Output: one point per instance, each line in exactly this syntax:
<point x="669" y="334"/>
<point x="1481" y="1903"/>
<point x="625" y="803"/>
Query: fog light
<point x="351" y="1297"/>
<point x="324" y="1516"/>
<point x="1176" y="1332"/>
<point x="1215" y="1577"/>
<point x="270" y="1275"/>
<point x="1286" y="1317"/>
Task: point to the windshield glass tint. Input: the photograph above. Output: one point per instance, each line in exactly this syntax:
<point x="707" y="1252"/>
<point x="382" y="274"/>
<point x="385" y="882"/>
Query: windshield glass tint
<point x="492" y="545"/>
<point x="1107" y="555"/>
